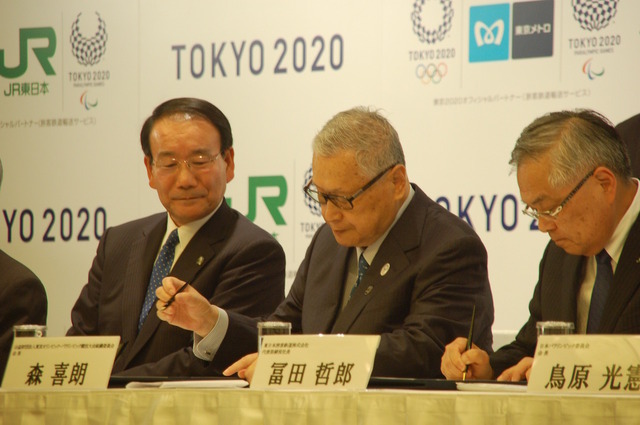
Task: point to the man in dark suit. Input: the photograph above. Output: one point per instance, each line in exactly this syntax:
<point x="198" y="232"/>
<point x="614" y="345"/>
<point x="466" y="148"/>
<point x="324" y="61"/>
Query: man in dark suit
<point x="233" y="263"/>
<point x="23" y="301"/>
<point x="629" y="131"/>
<point x="426" y="267"/>
<point x="575" y="179"/>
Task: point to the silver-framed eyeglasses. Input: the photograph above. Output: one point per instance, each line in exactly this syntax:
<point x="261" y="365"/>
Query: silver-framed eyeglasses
<point x="342" y="202"/>
<point x="552" y="214"/>
<point x="195" y="163"/>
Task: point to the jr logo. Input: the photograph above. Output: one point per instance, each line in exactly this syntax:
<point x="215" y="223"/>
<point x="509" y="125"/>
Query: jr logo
<point x="43" y="54"/>
<point x="273" y="203"/>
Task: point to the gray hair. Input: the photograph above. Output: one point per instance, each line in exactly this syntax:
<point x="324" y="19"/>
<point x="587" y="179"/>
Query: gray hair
<point x="366" y="133"/>
<point x="576" y="141"/>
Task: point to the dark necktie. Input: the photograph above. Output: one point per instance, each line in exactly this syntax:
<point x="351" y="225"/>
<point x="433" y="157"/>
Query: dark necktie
<point x="362" y="269"/>
<point x="161" y="268"/>
<point x="604" y="277"/>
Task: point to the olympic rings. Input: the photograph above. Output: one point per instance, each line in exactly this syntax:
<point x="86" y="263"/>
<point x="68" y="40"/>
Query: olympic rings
<point x="431" y="73"/>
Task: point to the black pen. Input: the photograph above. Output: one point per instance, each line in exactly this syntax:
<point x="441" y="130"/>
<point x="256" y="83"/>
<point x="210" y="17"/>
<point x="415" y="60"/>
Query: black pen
<point x="469" y="341"/>
<point x="184" y="285"/>
<point x="173" y="297"/>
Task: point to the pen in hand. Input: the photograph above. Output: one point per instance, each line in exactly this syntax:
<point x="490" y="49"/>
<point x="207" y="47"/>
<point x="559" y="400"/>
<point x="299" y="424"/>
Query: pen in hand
<point x="173" y="297"/>
<point x="170" y="301"/>
<point x="469" y="340"/>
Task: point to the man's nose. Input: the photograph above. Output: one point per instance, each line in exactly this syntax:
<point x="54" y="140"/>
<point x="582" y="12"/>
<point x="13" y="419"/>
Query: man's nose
<point x="330" y="212"/>
<point x="186" y="174"/>
<point x="546" y="224"/>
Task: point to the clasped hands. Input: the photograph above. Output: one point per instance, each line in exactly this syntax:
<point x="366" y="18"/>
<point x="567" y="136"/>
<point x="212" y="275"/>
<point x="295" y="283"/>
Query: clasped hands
<point x="456" y="358"/>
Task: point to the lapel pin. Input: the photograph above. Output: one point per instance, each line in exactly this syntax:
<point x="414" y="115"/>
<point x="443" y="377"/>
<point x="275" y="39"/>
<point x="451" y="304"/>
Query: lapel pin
<point x="638" y="260"/>
<point x="384" y="269"/>
<point x="200" y="260"/>
<point x="368" y="290"/>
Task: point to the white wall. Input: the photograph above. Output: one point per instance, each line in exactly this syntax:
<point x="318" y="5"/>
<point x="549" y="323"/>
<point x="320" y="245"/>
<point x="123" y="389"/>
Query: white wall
<point x="457" y="128"/>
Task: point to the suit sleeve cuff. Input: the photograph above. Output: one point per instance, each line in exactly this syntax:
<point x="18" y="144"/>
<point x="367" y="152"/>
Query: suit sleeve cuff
<point x="207" y="347"/>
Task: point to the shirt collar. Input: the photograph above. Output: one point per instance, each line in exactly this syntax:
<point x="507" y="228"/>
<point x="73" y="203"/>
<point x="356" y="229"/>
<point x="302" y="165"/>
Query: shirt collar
<point x="371" y="251"/>
<point x="187" y="231"/>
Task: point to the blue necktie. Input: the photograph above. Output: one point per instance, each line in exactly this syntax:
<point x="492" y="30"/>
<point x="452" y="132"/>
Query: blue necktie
<point x="161" y="268"/>
<point x="604" y="277"/>
<point x="362" y="269"/>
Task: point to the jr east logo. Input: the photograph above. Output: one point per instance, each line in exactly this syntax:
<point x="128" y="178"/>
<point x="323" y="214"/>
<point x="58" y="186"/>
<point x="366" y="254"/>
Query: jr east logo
<point x="43" y="54"/>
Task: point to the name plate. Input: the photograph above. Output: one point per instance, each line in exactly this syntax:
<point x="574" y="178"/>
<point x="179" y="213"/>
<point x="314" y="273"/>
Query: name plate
<point x="65" y="363"/>
<point x="316" y="362"/>
<point x="577" y="364"/>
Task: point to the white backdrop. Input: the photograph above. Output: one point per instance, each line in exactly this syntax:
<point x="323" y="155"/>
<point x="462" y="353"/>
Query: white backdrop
<point x="89" y="73"/>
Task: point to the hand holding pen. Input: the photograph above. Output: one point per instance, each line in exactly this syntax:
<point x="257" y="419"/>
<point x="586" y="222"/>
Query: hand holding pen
<point x="469" y="341"/>
<point x="463" y="359"/>
<point x="173" y="297"/>
<point x="191" y="311"/>
<point x="183" y="287"/>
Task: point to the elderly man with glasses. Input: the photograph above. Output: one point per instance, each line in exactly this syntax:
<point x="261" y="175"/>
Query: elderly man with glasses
<point x="388" y="261"/>
<point x="575" y="178"/>
<point x="189" y="159"/>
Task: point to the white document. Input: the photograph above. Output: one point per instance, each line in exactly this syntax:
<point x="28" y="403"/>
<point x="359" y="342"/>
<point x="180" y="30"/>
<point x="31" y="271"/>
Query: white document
<point x="195" y="383"/>
<point x="490" y="387"/>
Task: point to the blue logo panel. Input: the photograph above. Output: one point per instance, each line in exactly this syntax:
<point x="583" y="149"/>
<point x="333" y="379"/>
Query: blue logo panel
<point x="489" y="33"/>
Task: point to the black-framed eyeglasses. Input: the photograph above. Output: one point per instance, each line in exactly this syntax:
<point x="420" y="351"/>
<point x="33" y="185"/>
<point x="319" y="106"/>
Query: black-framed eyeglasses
<point x="195" y="163"/>
<point x="342" y="202"/>
<point x="551" y="214"/>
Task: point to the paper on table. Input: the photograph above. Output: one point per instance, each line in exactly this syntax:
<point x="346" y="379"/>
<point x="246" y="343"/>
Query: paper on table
<point x="214" y="383"/>
<point x="494" y="386"/>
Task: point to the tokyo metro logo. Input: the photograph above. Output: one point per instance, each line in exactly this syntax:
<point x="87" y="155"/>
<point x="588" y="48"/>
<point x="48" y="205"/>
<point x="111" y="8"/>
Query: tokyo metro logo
<point x="527" y="31"/>
<point x="489" y="33"/>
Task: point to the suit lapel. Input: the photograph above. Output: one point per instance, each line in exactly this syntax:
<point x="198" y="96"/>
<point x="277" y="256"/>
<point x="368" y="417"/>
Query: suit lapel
<point x="388" y="263"/>
<point x="564" y="307"/>
<point x="195" y="257"/>
<point x="143" y="253"/>
<point x="626" y="280"/>
<point x="327" y="295"/>
<point x="203" y="247"/>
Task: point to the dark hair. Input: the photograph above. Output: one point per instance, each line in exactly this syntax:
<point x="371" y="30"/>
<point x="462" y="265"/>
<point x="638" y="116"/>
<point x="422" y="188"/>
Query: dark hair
<point x="192" y="106"/>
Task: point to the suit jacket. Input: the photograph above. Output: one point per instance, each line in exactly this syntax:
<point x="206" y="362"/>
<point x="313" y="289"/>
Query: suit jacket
<point x="437" y="272"/>
<point x="556" y="298"/>
<point x="23" y="301"/>
<point x="629" y="131"/>
<point x="242" y="271"/>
